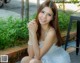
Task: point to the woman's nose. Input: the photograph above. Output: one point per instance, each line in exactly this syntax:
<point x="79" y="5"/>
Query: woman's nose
<point x="44" y="16"/>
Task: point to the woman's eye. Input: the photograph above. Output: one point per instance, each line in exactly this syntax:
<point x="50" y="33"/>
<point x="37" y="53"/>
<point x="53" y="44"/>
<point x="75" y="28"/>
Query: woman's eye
<point x="49" y="14"/>
<point x="42" y="11"/>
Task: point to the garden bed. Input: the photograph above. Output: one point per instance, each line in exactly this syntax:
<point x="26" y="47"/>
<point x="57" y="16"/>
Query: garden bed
<point x="15" y="54"/>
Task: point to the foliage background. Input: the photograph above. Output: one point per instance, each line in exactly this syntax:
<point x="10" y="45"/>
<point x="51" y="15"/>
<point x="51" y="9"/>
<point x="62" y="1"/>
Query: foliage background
<point x="14" y="32"/>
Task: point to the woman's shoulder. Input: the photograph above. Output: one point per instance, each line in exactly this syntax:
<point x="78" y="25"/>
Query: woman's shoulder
<point x="52" y="31"/>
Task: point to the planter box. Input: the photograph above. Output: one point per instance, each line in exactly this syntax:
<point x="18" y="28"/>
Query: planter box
<point x="15" y="54"/>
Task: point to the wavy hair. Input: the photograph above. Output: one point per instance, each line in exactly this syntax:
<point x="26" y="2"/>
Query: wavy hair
<point x="53" y="23"/>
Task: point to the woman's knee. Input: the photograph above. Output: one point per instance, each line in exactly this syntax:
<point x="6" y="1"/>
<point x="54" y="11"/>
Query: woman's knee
<point x="26" y="59"/>
<point x="35" y="61"/>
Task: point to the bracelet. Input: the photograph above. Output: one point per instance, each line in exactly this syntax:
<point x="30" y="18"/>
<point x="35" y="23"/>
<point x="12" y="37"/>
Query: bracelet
<point x="29" y="43"/>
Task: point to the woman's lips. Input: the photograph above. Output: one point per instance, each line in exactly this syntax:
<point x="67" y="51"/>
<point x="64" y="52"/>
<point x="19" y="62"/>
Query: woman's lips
<point x="42" y="20"/>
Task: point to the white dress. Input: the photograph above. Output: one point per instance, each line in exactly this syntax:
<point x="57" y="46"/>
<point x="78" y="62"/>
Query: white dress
<point x="55" y="55"/>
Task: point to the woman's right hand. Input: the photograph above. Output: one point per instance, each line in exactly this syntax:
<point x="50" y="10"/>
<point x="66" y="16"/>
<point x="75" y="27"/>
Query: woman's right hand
<point x="32" y="26"/>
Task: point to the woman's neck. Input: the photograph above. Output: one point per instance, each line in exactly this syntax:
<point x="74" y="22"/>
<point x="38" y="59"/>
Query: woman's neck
<point x="45" y="27"/>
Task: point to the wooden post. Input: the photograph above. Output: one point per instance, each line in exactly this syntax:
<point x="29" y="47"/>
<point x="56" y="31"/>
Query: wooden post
<point x="27" y="10"/>
<point x="63" y="5"/>
<point x="22" y="9"/>
<point x="38" y="3"/>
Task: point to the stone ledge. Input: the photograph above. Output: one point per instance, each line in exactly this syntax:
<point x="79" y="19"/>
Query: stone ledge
<point x="15" y="53"/>
<point x="14" y="49"/>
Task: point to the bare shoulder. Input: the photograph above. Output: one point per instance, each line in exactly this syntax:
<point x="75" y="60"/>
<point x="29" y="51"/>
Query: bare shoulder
<point x="51" y="34"/>
<point x="52" y="31"/>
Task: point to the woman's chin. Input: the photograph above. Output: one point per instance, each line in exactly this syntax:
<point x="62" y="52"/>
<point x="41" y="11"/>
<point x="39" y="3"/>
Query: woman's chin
<point x="41" y="22"/>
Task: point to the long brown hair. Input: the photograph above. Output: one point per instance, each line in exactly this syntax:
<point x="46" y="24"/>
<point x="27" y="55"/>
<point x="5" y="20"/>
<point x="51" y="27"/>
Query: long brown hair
<point x="53" y="23"/>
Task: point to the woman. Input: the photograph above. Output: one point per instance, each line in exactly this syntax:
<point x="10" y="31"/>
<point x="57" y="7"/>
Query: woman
<point x="44" y="37"/>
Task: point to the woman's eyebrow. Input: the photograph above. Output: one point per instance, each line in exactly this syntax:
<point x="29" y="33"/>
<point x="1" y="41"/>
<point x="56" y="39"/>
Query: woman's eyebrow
<point x="42" y="10"/>
<point x="48" y="12"/>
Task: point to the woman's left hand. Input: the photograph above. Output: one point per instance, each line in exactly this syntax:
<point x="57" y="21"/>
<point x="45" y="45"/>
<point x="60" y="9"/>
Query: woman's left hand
<point x="32" y="26"/>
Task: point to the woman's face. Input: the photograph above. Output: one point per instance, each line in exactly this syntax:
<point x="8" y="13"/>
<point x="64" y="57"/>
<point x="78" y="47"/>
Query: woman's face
<point x="45" y="16"/>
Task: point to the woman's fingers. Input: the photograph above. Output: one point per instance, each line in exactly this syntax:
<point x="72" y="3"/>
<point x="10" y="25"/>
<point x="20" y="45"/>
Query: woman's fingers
<point x="32" y="24"/>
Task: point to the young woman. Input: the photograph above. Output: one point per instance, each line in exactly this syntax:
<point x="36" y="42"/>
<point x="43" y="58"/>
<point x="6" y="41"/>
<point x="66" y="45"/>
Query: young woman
<point x="44" y="37"/>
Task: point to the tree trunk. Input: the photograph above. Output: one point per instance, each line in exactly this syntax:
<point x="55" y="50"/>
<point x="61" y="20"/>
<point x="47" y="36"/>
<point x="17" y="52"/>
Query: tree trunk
<point x="38" y="3"/>
<point x="22" y="9"/>
<point x="27" y="10"/>
<point x="63" y="5"/>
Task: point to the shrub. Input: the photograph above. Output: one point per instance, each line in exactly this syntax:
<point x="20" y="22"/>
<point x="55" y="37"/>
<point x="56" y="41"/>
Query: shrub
<point x="12" y="30"/>
<point x="64" y="19"/>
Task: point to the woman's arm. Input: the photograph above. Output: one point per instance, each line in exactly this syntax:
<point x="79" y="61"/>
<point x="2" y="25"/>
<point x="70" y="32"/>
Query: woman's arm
<point x="30" y="47"/>
<point x="32" y="27"/>
<point x="35" y="46"/>
<point x="48" y="42"/>
<point x="30" y="42"/>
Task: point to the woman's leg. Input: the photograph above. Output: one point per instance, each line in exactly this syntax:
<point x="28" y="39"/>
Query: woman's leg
<point x="26" y="59"/>
<point x="35" y="61"/>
